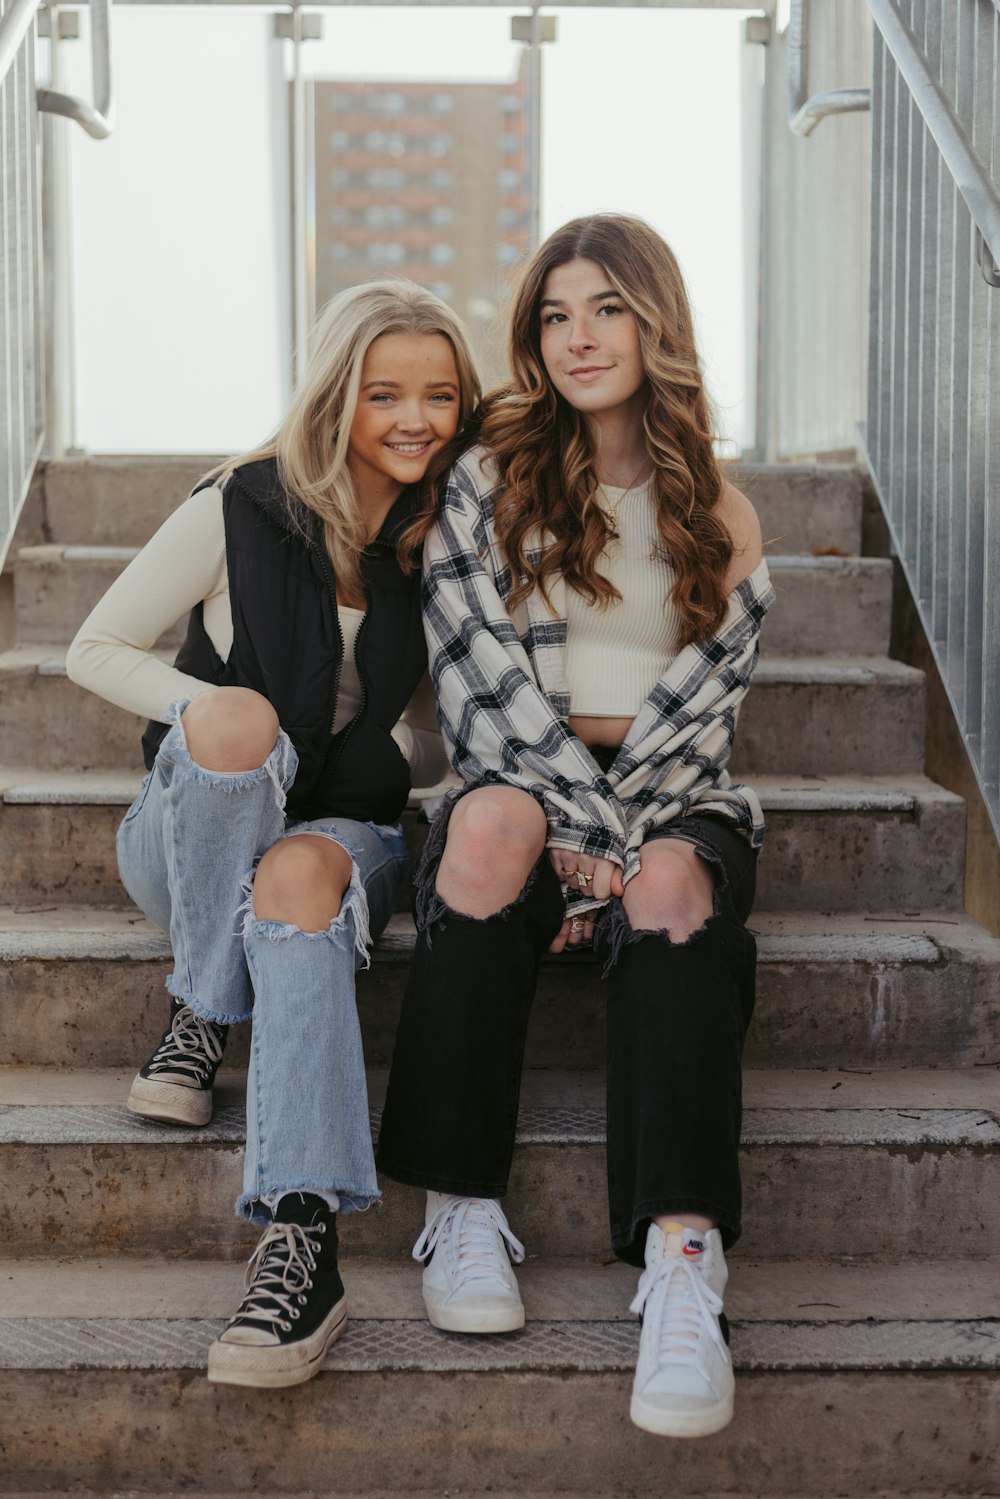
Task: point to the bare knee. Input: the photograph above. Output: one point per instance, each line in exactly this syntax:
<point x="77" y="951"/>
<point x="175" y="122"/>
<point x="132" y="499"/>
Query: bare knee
<point x="673" y="891"/>
<point x="495" y="837"/>
<point x="230" y="729"/>
<point x="302" y="881"/>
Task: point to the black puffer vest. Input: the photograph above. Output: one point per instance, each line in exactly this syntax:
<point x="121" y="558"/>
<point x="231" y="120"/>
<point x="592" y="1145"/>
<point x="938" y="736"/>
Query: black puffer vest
<point x="287" y="645"/>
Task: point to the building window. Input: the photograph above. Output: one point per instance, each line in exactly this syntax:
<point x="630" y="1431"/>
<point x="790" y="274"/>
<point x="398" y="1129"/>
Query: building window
<point x="442" y="104"/>
<point x="394" y="104"/>
<point x="441" y="215"/>
<point x="508" y="178"/>
<point x="441" y="178"/>
<point x="439" y="145"/>
<point x="441" y="254"/>
<point x="507" y="254"/>
<point x="509" y="104"/>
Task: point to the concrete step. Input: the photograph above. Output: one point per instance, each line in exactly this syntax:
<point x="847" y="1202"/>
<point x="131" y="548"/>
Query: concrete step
<point x="884" y="1376"/>
<point x="881" y="1165"/>
<point x="55" y="588"/>
<point x="82" y="987"/>
<point x="109" y="501"/>
<point x="838" y="716"/>
<point x="826" y="605"/>
<point x="829" y="605"/>
<point x="835" y="843"/>
<point x="112" y="501"/>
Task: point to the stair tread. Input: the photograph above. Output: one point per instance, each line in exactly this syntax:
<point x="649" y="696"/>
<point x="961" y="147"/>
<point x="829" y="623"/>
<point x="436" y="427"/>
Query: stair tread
<point x="47" y="930"/>
<point x="163" y="1314"/>
<point x="921" y="1107"/>
<point x="25" y="785"/>
<point x="824" y="667"/>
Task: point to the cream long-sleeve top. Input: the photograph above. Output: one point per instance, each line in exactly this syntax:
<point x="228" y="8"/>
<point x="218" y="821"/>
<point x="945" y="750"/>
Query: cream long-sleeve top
<point x="184" y="564"/>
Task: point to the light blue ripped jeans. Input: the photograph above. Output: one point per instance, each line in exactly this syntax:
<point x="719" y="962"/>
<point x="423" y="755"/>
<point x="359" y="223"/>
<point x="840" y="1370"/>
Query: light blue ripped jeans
<point x="187" y="849"/>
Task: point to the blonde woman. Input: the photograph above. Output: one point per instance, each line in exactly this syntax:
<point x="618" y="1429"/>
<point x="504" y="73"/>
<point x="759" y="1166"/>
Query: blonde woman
<point x="594" y="591"/>
<point x="281" y="750"/>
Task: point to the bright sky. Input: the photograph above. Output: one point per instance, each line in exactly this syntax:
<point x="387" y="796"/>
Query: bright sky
<point x="181" y="218"/>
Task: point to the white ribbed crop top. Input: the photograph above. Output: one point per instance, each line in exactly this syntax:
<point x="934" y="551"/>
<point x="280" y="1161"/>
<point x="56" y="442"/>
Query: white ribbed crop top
<point x="615" y="656"/>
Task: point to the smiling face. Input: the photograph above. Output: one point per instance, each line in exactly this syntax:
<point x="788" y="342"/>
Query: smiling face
<point x="589" y="342"/>
<point x="408" y="408"/>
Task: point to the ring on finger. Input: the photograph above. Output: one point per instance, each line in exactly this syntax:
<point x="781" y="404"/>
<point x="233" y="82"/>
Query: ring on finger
<point x="583" y="880"/>
<point x="576" y="925"/>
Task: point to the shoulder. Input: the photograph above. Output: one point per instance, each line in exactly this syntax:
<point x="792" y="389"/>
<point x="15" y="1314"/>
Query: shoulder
<point x="740" y="519"/>
<point x="474" y="476"/>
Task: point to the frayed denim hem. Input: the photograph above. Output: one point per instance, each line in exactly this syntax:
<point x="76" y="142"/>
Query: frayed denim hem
<point x="201" y="1009"/>
<point x="279" y="768"/>
<point x="428" y="906"/>
<point x="256" y="1208"/>
<point x="615" y="932"/>
<point x="353" y="909"/>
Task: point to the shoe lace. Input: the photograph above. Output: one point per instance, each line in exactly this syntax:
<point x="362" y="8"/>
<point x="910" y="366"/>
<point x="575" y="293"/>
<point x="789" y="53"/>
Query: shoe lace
<point x="469" y="1227"/>
<point x="681" y="1305"/>
<point x="191" y="1045"/>
<point x="278" y="1275"/>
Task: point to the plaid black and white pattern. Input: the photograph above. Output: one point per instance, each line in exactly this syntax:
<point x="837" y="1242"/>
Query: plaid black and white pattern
<point x="503" y="699"/>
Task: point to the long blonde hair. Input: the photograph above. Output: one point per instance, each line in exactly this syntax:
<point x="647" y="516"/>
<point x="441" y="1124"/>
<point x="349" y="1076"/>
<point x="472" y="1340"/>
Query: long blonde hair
<point x="544" y="448"/>
<point x="312" y="441"/>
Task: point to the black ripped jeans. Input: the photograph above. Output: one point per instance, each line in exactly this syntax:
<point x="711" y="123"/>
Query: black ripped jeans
<point x="677" y="1015"/>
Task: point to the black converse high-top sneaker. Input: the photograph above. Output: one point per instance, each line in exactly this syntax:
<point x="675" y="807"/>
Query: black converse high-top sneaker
<point x="294" y="1307"/>
<point x="175" y="1085"/>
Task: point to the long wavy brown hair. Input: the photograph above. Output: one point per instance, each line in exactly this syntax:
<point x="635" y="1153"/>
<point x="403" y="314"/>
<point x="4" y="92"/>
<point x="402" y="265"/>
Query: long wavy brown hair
<point x="545" y="450"/>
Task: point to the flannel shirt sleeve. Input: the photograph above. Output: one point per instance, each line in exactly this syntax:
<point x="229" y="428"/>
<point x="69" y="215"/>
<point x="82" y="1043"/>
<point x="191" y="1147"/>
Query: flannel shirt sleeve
<point x="498" y="725"/>
<point x="674" y="759"/>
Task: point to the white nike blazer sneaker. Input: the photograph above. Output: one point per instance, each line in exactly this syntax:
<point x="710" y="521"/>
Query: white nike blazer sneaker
<point x="466" y="1249"/>
<point x="684" y="1377"/>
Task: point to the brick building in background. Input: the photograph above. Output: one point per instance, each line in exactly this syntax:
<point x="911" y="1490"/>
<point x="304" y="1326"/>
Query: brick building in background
<point x="428" y="181"/>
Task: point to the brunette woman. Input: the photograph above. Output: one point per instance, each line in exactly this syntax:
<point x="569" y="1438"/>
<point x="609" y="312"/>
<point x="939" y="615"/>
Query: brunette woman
<point x="594" y="591"/>
<point x="281" y="750"/>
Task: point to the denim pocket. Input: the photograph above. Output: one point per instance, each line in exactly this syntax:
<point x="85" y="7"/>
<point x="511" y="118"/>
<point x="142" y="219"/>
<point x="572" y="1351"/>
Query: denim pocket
<point x="136" y="806"/>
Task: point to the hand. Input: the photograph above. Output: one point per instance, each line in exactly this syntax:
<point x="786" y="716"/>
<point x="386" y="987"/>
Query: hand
<point x="596" y="878"/>
<point x="574" y="931"/>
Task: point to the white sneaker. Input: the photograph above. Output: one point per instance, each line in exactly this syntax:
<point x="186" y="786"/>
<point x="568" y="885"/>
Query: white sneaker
<point x="466" y="1249"/>
<point x="684" y="1378"/>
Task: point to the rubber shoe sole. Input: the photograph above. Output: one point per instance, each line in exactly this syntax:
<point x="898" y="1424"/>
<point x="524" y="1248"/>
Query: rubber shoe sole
<point x="664" y="1422"/>
<point x="170" y="1103"/>
<point x="499" y="1315"/>
<point x="277" y="1367"/>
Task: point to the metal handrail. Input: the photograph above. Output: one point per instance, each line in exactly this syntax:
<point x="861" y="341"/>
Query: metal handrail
<point x="13" y="25"/>
<point x="94" y="118"/>
<point x="971" y="178"/>
<point x="805" y="112"/>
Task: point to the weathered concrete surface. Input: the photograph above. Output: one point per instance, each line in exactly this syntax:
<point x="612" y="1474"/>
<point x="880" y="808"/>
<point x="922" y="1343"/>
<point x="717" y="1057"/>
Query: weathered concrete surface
<point x="805" y="508"/>
<point x="50" y="723"/>
<point x="834" y="843"/>
<point x="897" y="1432"/>
<point x="828" y="606"/>
<point x="831" y="717"/>
<point x="897" y="1165"/>
<point x="57" y="586"/>
<point x="115" y="501"/>
<point x="837" y="715"/>
<point x="84" y="987"/>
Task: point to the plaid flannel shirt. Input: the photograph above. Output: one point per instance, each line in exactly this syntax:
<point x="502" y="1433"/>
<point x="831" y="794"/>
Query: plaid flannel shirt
<point x="503" y="699"/>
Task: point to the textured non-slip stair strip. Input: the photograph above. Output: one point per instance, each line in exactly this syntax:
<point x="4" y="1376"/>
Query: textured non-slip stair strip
<point x="578" y="1347"/>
